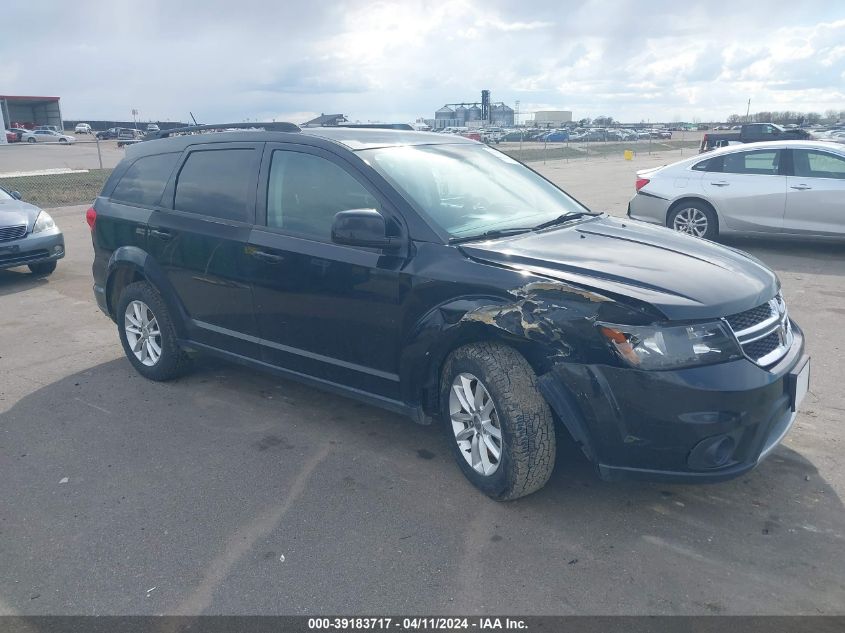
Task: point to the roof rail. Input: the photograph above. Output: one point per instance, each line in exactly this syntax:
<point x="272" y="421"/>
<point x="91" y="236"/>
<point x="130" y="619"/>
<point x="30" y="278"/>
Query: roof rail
<point x="271" y="126"/>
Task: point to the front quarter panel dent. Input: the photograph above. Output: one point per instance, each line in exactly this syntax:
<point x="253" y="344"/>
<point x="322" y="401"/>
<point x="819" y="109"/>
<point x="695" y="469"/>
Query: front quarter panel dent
<point x="540" y="313"/>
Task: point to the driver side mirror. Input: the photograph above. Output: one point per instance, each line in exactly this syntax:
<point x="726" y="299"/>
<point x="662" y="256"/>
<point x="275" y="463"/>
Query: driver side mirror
<point x="15" y="194"/>
<point x="362" y="227"/>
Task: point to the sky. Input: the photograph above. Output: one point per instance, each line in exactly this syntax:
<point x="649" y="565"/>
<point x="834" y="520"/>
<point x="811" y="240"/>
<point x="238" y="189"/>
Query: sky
<point x="397" y="61"/>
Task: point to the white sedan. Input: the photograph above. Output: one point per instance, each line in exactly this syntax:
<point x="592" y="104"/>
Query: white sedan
<point x="48" y="136"/>
<point x="776" y="188"/>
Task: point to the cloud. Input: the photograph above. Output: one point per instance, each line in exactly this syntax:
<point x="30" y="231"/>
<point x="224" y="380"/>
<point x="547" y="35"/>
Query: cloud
<point x="399" y="60"/>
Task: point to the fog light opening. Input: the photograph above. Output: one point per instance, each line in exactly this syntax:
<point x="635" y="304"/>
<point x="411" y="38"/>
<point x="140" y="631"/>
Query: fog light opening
<point x="712" y="452"/>
<point x="722" y="450"/>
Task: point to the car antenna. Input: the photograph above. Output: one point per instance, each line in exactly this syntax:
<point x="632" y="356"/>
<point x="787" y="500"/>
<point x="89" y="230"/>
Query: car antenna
<point x="192" y="117"/>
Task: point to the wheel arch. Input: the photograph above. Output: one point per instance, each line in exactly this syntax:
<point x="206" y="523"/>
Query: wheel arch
<point x="694" y="198"/>
<point x="129" y="264"/>
<point x="451" y="326"/>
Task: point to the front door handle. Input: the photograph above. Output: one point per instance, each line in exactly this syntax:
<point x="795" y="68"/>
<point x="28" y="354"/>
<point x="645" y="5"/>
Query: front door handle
<point x="720" y="183"/>
<point x="162" y="235"/>
<point x="800" y="187"/>
<point x="264" y="256"/>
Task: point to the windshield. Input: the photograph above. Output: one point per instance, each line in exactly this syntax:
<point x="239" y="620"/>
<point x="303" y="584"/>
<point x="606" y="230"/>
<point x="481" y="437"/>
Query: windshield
<point x="470" y="189"/>
<point x="4" y="195"/>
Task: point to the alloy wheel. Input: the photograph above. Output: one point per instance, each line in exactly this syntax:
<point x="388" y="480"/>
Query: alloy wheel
<point x="142" y="332"/>
<point x="475" y="424"/>
<point x="691" y="221"/>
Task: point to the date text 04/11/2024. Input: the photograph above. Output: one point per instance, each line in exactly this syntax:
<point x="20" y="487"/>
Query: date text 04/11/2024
<point x="416" y="624"/>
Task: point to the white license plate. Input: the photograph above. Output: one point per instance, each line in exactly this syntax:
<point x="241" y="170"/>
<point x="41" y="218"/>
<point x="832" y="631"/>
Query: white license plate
<point x="802" y="385"/>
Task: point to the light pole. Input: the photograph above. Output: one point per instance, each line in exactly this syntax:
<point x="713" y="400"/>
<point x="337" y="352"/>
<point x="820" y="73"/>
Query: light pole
<point x="135" y="117"/>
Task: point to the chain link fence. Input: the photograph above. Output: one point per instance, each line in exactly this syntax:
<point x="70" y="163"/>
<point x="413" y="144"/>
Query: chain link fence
<point x="58" y="190"/>
<point x="58" y="174"/>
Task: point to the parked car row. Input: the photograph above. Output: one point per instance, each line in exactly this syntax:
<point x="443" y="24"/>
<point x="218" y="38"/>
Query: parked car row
<point x="21" y="134"/>
<point x="51" y="134"/>
<point x="560" y="135"/>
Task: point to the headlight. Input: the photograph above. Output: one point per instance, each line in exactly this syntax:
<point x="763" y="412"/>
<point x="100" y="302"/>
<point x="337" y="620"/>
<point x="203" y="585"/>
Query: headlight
<point x="655" y="347"/>
<point x="43" y="222"/>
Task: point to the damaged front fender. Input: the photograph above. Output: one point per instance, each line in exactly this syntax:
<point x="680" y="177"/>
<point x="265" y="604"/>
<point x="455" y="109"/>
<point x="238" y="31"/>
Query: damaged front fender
<point x="540" y="314"/>
<point x="548" y="321"/>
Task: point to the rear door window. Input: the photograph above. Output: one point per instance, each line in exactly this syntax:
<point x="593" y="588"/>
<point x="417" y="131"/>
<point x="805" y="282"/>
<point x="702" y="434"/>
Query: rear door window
<point x="813" y="164"/>
<point x="218" y="182"/>
<point x="144" y="182"/>
<point x="760" y="162"/>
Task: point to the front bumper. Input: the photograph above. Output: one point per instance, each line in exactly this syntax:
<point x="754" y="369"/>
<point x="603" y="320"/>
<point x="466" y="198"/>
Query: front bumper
<point x="34" y="248"/>
<point x="702" y="424"/>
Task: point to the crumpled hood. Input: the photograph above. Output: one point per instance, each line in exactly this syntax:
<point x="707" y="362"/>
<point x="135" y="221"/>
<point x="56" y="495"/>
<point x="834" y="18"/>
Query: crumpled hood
<point x="684" y="277"/>
<point x="15" y="212"/>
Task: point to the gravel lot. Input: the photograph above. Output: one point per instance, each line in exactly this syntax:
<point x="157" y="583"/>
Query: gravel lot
<point x="231" y="491"/>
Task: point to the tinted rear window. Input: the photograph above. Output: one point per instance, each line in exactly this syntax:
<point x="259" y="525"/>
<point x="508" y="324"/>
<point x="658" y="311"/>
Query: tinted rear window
<point x="144" y="182"/>
<point x="711" y="164"/>
<point x="761" y="162"/>
<point x="217" y="183"/>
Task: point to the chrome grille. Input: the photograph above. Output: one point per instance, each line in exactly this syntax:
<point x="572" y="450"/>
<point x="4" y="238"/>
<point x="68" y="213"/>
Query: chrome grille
<point x="12" y="232"/>
<point x="764" y="332"/>
<point x="762" y="347"/>
<point x="749" y="318"/>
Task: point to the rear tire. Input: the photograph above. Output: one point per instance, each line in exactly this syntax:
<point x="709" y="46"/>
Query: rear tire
<point x="519" y="416"/>
<point x="694" y="218"/>
<point x="43" y="269"/>
<point x="147" y="333"/>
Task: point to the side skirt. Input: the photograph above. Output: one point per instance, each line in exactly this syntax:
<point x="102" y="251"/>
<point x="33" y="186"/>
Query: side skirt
<point x="414" y="412"/>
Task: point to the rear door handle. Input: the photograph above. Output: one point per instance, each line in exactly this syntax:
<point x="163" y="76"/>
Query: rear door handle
<point x="720" y="183"/>
<point x="162" y="235"/>
<point x="800" y="187"/>
<point x="264" y="256"/>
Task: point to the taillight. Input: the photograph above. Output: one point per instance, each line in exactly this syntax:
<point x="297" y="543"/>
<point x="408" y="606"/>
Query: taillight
<point x="641" y="182"/>
<point x="91" y="218"/>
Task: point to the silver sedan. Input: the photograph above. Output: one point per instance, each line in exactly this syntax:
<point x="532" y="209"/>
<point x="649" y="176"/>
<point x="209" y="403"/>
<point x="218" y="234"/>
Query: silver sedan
<point x="48" y="136"/>
<point x="777" y="188"/>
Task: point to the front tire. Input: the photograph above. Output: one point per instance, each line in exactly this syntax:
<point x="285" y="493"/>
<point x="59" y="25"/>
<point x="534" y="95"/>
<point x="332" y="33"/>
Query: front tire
<point x="147" y="333"/>
<point x="499" y="426"/>
<point x="43" y="269"/>
<point x="30" y="140"/>
<point x="694" y="218"/>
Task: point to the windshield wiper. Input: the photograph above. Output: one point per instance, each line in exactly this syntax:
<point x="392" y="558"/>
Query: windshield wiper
<point x="566" y="217"/>
<point x="490" y="234"/>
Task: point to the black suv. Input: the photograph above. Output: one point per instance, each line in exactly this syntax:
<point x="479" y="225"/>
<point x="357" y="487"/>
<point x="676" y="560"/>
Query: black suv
<point x="437" y="277"/>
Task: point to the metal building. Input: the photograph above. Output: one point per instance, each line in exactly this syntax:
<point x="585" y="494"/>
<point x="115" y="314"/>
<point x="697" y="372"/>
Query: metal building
<point x="552" y="117"/>
<point x="30" y="112"/>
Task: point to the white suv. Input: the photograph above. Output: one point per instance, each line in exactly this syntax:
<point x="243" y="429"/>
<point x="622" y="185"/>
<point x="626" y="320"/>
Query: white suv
<point x="82" y="128"/>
